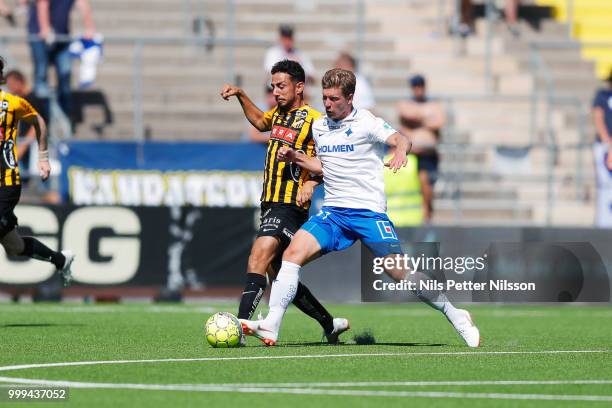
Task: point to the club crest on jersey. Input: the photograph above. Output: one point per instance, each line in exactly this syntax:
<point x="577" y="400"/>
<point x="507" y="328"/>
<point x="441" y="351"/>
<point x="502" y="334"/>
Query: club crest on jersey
<point x="386" y="230"/>
<point x="298" y="122"/>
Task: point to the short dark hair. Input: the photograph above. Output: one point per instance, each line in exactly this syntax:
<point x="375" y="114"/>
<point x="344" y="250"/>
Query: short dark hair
<point x="291" y="68"/>
<point x="15" y="73"/>
<point x="285" y="30"/>
<point x="1" y="71"/>
<point x="417" y="80"/>
<point x="340" y="78"/>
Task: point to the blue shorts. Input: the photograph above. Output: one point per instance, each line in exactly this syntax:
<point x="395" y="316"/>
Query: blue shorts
<point x="338" y="228"/>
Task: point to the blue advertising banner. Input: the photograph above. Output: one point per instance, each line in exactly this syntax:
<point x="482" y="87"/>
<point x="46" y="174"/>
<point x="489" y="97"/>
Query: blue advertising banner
<point x="162" y="174"/>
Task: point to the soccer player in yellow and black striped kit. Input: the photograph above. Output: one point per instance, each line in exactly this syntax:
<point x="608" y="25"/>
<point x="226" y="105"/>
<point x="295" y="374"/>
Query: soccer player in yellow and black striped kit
<point x="286" y="192"/>
<point x="12" y="110"/>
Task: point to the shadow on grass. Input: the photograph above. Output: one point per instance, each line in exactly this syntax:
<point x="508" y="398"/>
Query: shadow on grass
<point x="38" y="325"/>
<point x="319" y="344"/>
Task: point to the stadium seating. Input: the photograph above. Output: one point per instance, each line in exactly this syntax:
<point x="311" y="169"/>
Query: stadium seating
<point x="181" y="83"/>
<point x="591" y="24"/>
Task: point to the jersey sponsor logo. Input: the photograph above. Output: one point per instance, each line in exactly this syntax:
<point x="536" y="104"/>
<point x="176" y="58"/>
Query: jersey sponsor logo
<point x="284" y="134"/>
<point x="345" y="148"/>
<point x="288" y="233"/>
<point x="386" y="230"/>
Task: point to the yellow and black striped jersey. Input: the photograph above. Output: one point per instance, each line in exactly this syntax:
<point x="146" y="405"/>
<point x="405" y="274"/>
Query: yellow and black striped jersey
<point x="12" y="110"/>
<point x="283" y="180"/>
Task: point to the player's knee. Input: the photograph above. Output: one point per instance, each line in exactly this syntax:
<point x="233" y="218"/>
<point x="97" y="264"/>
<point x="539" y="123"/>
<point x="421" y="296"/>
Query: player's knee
<point x="295" y="254"/>
<point x="260" y="259"/>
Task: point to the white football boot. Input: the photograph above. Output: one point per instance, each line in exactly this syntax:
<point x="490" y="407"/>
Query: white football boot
<point x="462" y="322"/>
<point x="66" y="272"/>
<point x="254" y="328"/>
<point x="340" y="326"/>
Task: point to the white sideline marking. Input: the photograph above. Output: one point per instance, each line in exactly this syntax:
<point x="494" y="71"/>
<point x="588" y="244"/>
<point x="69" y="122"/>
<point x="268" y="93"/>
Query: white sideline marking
<point x="113" y="309"/>
<point x="307" y="388"/>
<point x="307" y="391"/>
<point x="297" y="357"/>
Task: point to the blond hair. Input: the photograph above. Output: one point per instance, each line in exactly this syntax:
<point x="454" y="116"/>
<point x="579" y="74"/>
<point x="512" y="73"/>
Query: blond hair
<point x="340" y="78"/>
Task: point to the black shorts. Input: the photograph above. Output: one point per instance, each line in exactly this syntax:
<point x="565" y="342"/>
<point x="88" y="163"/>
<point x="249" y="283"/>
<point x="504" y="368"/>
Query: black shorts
<point x="281" y="221"/>
<point x="429" y="162"/>
<point x="9" y="197"/>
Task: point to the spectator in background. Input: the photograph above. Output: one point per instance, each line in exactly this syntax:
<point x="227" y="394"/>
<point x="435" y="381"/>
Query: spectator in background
<point x="466" y="25"/>
<point x="7" y="13"/>
<point x="285" y="49"/>
<point x="48" y="28"/>
<point x="602" y="117"/>
<point x="466" y="18"/>
<point x="364" y="97"/>
<point x="270" y="102"/>
<point x="405" y="207"/>
<point x="511" y="14"/>
<point x="17" y="84"/>
<point x="422" y="120"/>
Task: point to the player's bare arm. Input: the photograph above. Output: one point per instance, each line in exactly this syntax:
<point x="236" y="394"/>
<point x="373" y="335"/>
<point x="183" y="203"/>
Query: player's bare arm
<point x="38" y="123"/>
<point x="402" y="147"/>
<point x="307" y="190"/>
<point x="253" y="114"/>
<point x="289" y="155"/>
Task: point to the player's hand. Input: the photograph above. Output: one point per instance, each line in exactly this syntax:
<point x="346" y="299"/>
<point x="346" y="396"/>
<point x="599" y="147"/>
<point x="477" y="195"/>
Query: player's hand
<point x="398" y="161"/>
<point x="305" y="193"/>
<point x="286" y="154"/>
<point x="229" y="91"/>
<point x="610" y="157"/>
<point x="44" y="169"/>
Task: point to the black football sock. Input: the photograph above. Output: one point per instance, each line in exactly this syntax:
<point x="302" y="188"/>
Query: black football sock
<point x="252" y="294"/>
<point x="307" y="303"/>
<point x="33" y="248"/>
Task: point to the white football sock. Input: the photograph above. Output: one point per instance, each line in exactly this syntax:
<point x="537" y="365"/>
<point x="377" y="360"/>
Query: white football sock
<point x="282" y="294"/>
<point x="435" y="299"/>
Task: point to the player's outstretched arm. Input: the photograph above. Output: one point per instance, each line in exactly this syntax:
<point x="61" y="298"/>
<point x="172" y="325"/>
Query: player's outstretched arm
<point x="40" y="128"/>
<point x="251" y="111"/>
<point x="312" y="164"/>
<point x="402" y="147"/>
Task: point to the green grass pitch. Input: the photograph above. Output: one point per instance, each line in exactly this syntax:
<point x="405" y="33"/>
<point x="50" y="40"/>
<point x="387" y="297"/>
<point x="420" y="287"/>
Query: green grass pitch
<point x="544" y="356"/>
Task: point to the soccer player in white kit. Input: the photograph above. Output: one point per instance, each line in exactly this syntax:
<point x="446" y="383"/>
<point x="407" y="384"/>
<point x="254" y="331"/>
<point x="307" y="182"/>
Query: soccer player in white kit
<point x="350" y="145"/>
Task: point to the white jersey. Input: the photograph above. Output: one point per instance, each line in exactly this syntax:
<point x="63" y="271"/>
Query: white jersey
<point x="351" y="151"/>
